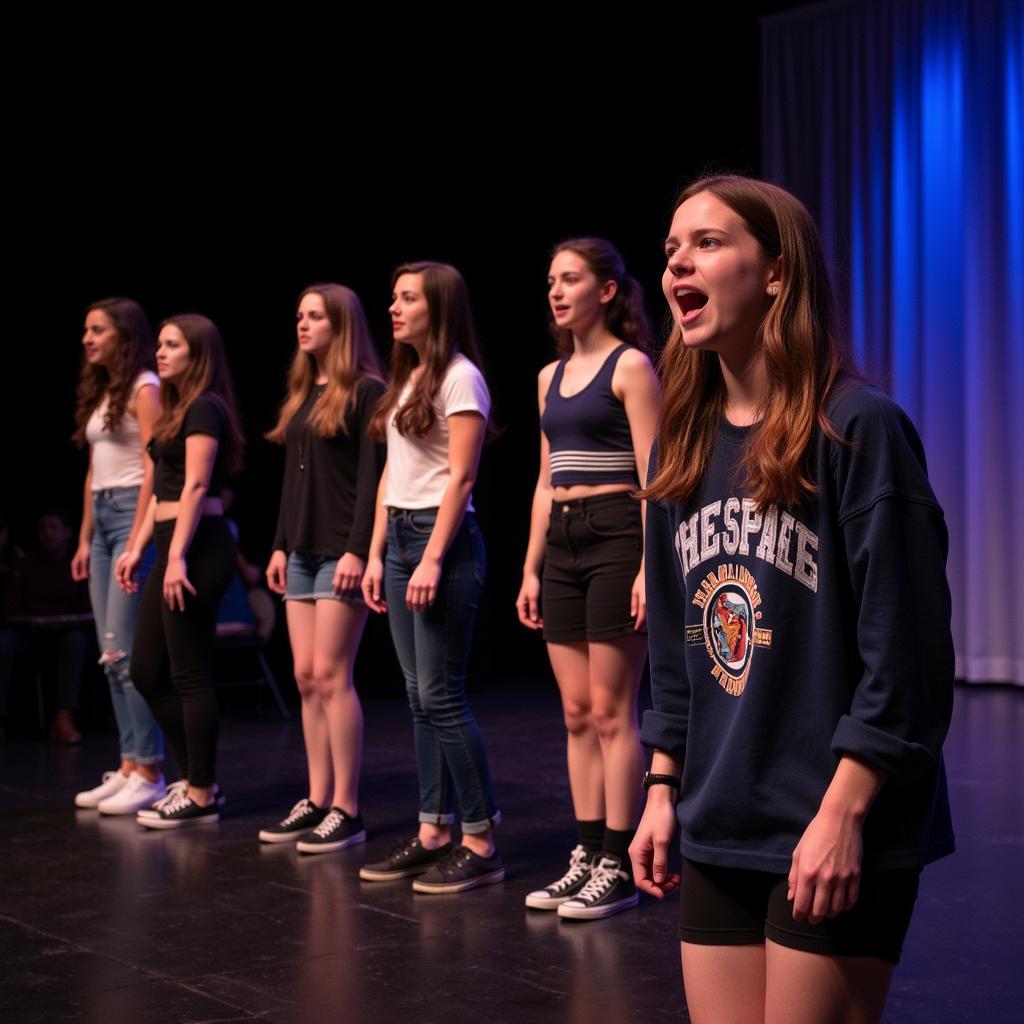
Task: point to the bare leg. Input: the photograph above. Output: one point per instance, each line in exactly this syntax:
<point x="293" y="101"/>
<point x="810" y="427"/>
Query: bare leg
<point x="724" y="984"/>
<point x="481" y="843"/>
<point x="433" y="836"/>
<point x="301" y="632"/>
<point x="571" y="665"/>
<point x="615" y="670"/>
<point x="808" y="988"/>
<point x="339" y="628"/>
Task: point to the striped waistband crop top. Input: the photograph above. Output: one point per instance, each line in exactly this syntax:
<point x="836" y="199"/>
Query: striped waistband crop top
<point x="588" y="433"/>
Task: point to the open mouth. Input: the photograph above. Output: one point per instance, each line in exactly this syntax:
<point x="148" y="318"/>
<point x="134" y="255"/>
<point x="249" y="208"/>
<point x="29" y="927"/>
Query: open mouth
<point x="690" y="303"/>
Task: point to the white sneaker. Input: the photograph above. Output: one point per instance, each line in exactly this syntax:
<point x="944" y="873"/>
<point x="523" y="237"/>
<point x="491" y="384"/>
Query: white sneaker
<point x="111" y="783"/>
<point x="139" y="792"/>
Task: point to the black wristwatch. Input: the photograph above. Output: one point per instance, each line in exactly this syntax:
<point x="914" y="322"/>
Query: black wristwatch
<point x="660" y="780"/>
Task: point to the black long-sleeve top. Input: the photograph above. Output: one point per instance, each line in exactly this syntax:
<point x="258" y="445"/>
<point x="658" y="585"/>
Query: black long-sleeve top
<point x="330" y="483"/>
<point x="783" y="639"/>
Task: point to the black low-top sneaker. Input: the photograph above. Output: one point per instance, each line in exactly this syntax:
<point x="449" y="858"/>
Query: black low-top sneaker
<point x="336" y="832"/>
<point x="409" y="857"/>
<point x="609" y="889"/>
<point x="305" y="815"/>
<point x="569" y="885"/>
<point x="173" y="789"/>
<point x="180" y="812"/>
<point x="459" y="870"/>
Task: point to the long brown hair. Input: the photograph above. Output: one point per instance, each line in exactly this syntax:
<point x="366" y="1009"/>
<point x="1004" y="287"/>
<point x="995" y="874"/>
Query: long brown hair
<point x="207" y="374"/>
<point x="625" y="315"/>
<point x="134" y="355"/>
<point x="350" y="358"/>
<point x="804" y="356"/>
<point x="450" y="331"/>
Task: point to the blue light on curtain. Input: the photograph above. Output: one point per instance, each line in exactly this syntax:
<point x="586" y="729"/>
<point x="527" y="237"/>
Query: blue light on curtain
<point x="901" y="125"/>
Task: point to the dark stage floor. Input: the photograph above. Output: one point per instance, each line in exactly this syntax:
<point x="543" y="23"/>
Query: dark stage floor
<point x="101" y="921"/>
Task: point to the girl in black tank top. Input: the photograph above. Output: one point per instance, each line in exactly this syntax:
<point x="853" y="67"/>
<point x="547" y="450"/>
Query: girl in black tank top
<point x="583" y="574"/>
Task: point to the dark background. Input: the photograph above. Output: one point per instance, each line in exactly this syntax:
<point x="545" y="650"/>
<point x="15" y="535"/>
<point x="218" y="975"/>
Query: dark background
<point x="223" y="173"/>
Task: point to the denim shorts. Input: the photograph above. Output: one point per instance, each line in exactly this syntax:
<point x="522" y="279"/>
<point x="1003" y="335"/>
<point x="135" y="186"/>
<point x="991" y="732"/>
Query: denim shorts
<point x="309" y="576"/>
<point x="593" y="554"/>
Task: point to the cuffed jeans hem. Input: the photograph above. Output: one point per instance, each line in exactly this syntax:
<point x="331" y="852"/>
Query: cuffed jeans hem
<point x="426" y="818"/>
<point x="473" y="828"/>
<point x="148" y="759"/>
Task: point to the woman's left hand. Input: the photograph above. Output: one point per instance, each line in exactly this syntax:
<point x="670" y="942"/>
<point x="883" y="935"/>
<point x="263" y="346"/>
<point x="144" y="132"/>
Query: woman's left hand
<point x="638" y="601"/>
<point x="825" y="877"/>
<point x="348" y="574"/>
<point x="176" y="583"/>
<point x="422" y="590"/>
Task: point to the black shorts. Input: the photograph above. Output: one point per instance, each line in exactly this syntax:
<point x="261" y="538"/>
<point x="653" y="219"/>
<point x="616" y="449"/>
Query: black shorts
<point x="734" y="907"/>
<point x="592" y="558"/>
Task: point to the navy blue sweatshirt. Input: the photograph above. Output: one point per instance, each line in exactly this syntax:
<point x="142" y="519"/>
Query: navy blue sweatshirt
<point x="781" y="641"/>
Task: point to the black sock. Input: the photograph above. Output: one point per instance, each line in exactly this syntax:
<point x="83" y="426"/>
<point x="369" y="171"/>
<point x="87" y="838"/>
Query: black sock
<point x="616" y="843"/>
<point x="591" y="835"/>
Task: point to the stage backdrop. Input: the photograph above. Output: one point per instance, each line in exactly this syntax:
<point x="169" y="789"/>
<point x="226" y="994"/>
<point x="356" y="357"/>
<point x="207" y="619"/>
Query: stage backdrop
<point x="901" y="125"/>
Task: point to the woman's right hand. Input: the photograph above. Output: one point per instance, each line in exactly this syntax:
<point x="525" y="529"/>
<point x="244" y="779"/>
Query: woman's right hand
<point x="126" y="571"/>
<point x="528" y="602"/>
<point x="649" y="849"/>
<point x="373" y="584"/>
<point x="277" y="572"/>
<point x="80" y="562"/>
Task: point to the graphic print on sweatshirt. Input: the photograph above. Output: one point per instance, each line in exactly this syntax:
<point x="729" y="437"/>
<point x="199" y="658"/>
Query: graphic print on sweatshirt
<point x="728" y="595"/>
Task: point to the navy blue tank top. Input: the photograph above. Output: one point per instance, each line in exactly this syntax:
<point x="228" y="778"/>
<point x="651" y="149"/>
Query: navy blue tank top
<point x="588" y="433"/>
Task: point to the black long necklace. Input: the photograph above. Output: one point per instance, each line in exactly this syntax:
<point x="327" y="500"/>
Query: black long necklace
<point x="318" y="390"/>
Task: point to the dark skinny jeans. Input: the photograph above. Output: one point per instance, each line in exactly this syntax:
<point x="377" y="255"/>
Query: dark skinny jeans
<point x="172" y="656"/>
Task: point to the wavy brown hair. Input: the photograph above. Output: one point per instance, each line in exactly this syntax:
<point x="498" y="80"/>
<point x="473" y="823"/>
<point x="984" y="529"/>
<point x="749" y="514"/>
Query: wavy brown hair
<point x="135" y="347"/>
<point x="625" y="315"/>
<point x="805" y="359"/>
<point x="207" y="374"/>
<point x="350" y="359"/>
<point x="450" y="331"/>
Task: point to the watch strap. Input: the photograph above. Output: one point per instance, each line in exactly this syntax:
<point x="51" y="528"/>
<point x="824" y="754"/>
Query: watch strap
<point x="650" y="779"/>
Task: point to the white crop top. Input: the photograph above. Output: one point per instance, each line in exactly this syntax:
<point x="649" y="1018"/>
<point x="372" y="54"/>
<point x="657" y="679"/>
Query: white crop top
<point x="117" y="454"/>
<point x="418" y="469"/>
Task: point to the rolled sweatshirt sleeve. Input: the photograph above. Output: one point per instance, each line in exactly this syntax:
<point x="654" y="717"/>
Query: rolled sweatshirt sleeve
<point x="896" y="542"/>
<point x="665" y="726"/>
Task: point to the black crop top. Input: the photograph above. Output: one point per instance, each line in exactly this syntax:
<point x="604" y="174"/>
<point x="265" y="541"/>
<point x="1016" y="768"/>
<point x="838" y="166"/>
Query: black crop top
<point x="206" y="415"/>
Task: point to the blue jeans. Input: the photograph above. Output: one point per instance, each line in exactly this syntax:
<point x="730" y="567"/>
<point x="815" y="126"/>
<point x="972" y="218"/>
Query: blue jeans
<point x="113" y="512"/>
<point x="433" y="650"/>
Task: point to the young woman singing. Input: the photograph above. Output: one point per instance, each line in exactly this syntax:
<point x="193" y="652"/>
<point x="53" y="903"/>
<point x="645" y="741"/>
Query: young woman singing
<point x="583" y="581"/>
<point x="798" y="615"/>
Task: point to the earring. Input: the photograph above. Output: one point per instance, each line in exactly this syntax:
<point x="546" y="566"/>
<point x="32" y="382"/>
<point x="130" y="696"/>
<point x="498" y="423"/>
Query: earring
<point x="773" y="289"/>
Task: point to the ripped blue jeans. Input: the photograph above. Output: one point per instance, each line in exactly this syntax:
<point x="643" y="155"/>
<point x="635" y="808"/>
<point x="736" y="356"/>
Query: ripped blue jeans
<point x="113" y="512"/>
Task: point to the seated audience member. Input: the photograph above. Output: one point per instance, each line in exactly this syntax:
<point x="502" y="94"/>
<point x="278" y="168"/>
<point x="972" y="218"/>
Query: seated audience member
<point x="10" y="555"/>
<point x="48" y="618"/>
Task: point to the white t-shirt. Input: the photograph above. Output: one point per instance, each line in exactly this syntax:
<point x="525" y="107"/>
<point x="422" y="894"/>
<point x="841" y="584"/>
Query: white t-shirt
<point x="418" y="469"/>
<point x="117" y="454"/>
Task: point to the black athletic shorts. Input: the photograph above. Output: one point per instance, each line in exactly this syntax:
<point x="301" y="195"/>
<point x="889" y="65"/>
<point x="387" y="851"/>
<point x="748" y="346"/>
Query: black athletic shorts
<point x="733" y="907"/>
<point x="593" y="555"/>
